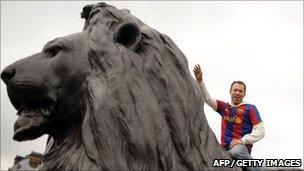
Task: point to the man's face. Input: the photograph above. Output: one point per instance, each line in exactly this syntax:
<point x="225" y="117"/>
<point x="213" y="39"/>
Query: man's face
<point x="237" y="93"/>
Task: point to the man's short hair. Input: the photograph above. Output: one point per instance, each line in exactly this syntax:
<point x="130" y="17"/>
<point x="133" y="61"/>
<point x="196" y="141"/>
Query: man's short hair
<point x="238" y="82"/>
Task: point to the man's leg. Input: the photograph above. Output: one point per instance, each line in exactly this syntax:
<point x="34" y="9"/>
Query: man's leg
<point x="241" y="152"/>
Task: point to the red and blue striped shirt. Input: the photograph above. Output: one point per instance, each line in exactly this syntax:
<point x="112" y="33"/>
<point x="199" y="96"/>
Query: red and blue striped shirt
<point x="237" y="121"/>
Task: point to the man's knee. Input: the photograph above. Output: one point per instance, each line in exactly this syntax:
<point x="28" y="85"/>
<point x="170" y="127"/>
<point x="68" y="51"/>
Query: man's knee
<point x="239" y="151"/>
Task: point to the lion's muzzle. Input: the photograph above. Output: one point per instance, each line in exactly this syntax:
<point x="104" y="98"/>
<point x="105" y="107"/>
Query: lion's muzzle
<point x="34" y="102"/>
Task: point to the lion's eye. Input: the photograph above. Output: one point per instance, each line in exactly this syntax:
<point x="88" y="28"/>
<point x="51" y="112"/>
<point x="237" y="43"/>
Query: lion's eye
<point x="53" y="51"/>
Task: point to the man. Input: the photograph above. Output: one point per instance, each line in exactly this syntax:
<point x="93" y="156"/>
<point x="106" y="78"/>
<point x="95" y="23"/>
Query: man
<point x="241" y="123"/>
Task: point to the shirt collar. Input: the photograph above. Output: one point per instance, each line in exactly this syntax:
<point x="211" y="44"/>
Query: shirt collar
<point x="242" y="103"/>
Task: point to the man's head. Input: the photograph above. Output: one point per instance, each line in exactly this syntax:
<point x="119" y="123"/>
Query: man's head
<point x="237" y="92"/>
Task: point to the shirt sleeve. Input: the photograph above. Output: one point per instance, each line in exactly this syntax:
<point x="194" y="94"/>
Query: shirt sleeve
<point x="258" y="131"/>
<point x="254" y="115"/>
<point x="257" y="134"/>
<point x="206" y="97"/>
<point x="221" y="106"/>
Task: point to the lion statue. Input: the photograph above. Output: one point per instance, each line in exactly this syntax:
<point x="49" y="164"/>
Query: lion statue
<point x="116" y="96"/>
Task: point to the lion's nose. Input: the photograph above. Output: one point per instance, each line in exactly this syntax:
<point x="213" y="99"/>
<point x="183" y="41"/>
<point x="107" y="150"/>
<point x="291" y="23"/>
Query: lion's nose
<point x="7" y="74"/>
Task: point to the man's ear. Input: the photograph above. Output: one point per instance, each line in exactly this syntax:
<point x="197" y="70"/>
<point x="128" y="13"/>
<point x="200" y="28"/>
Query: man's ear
<point x="128" y="34"/>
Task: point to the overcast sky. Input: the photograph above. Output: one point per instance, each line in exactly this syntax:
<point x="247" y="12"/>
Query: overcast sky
<point x="260" y="43"/>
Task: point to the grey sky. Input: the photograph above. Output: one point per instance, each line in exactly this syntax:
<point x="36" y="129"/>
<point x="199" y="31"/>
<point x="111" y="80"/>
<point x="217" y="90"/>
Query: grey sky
<point x="259" y="42"/>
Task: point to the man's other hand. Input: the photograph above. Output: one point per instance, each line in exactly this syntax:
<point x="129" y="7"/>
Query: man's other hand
<point x="235" y="142"/>
<point x="198" y="72"/>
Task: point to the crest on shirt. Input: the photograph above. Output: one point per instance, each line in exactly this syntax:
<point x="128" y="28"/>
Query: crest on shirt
<point x="240" y="111"/>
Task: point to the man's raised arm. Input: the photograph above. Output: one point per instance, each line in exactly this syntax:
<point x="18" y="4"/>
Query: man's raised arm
<point x="199" y="79"/>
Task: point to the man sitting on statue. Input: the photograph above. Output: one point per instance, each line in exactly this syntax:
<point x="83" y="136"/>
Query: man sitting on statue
<point x="241" y="122"/>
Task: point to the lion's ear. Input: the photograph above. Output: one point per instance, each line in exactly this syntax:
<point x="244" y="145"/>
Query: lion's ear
<point x="86" y="11"/>
<point x="128" y="34"/>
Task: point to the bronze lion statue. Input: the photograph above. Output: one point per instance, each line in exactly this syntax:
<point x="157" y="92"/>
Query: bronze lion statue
<point x="116" y="96"/>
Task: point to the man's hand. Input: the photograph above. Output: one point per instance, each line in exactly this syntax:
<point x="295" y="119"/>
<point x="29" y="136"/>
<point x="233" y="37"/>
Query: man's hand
<point x="198" y="73"/>
<point x="235" y="142"/>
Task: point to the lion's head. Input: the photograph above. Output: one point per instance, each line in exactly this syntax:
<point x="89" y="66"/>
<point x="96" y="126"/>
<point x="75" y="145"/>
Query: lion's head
<point x="117" y="95"/>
